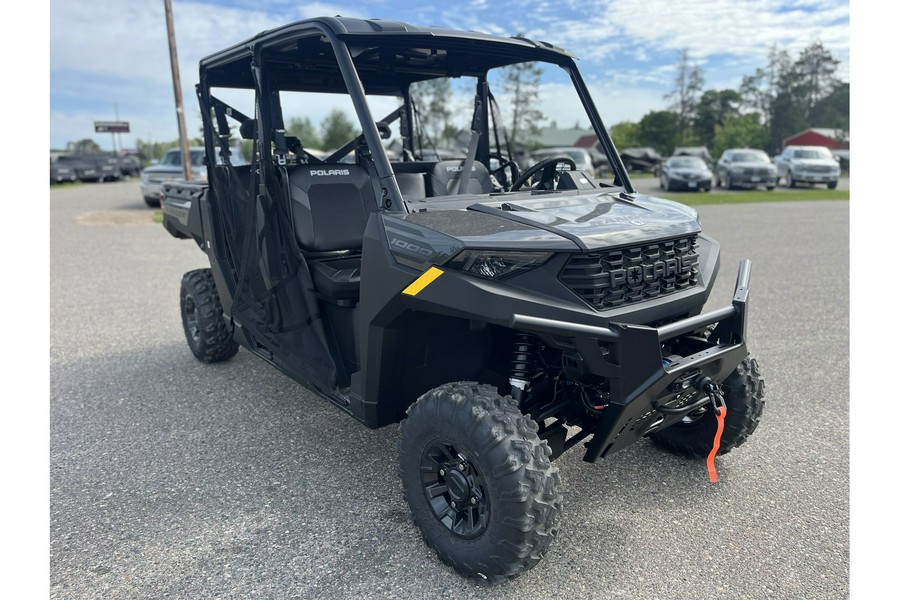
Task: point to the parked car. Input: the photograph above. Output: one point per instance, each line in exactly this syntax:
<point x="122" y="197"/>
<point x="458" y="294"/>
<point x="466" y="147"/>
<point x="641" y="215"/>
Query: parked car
<point x="130" y="165"/>
<point x="170" y="169"/>
<point x="808" y="164"/>
<point x="600" y="161"/>
<point x="77" y="164"/>
<point x="685" y="173"/>
<point x="745" y="167"/>
<point x="107" y="165"/>
<point x="698" y="151"/>
<point x="63" y="171"/>
<point x="581" y="157"/>
<point x="641" y="159"/>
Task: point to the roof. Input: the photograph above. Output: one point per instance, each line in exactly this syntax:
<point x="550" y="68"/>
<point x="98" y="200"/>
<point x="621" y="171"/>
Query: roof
<point x="552" y="136"/>
<point x="387" y="54"/>
<point x="838" y="135"/>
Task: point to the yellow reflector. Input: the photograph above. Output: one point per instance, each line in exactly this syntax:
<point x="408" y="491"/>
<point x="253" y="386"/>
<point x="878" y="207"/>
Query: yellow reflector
<point x="423" y="281"/>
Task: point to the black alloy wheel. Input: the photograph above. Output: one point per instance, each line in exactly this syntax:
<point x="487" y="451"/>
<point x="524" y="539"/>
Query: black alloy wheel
<point x="455" y="489"/>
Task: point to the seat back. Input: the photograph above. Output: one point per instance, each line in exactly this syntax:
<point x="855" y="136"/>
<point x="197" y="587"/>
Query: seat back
<point x="331" y="204"/>
<point x="412" y="185"/>
<point x="446" y="175"/>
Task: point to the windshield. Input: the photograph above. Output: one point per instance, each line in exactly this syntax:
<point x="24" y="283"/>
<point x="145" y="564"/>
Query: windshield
<point x="173" y="158"/>
<point x="750" y="157"/>
<point x="812" y="153"/>
<point x="687" y="162"/>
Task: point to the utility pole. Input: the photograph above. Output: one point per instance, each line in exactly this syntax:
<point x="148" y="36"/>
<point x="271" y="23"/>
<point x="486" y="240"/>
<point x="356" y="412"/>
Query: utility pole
<point x="176" y="84"/>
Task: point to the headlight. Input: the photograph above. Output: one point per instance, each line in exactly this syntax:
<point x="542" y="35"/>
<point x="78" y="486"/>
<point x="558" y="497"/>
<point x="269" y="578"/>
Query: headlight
<point x="145" y="177"/>
<point x="490" y="264"/>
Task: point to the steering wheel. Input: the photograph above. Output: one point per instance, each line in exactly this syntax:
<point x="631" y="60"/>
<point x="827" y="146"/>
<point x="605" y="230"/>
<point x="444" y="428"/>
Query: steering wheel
<point x="500" y="171"/>
<point x="548" y="175"/>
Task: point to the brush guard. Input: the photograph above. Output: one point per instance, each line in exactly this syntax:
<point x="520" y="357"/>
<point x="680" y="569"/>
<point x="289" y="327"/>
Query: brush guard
<point x="650" y="391"/>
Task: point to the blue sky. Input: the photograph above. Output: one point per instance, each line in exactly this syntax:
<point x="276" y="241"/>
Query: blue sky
<point x="629" y="49"/>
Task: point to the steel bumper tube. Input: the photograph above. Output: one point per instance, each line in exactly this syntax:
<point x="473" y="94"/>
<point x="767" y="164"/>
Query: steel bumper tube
<point x="641" y="377"/>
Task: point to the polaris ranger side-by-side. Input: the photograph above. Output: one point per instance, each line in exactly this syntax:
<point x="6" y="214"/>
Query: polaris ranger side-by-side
<point x="502" y="316"/>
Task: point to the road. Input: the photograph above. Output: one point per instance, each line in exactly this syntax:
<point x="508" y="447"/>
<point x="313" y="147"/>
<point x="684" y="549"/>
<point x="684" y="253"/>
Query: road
<point x="172" y="478"/>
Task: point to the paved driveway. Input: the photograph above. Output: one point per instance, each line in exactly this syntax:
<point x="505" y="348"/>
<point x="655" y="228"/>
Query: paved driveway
<point x="171" y="478"/>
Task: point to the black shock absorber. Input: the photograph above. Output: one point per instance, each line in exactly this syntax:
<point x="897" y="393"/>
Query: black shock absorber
<point x="524" y="366"/>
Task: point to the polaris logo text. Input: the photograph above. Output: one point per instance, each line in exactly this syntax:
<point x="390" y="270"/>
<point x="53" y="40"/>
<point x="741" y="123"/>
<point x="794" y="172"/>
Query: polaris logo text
<point x="660" y="269"/>
<point x="330" y="172"/>
<point x="457" y="169"/>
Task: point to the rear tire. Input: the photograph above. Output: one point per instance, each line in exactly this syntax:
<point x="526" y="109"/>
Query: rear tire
<point x="493" y="516"/>
<point x="744" y="393"/>
<point x="207" y="332"/>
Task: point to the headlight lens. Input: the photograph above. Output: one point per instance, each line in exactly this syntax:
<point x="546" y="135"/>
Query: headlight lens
<point x="491" y="264"/>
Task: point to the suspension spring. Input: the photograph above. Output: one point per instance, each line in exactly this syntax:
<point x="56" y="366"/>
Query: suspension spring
<point x="524" y="365"/>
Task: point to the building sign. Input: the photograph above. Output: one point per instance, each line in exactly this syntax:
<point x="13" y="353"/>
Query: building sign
<point x="111" y="127"/>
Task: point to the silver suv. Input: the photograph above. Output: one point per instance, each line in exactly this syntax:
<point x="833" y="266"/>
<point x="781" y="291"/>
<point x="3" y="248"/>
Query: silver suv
<point x="808" y="164"/>
<point x="745" y="167"/>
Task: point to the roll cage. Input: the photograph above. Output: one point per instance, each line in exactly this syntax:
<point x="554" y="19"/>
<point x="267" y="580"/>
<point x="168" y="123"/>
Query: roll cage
<point x="370" y="57"/>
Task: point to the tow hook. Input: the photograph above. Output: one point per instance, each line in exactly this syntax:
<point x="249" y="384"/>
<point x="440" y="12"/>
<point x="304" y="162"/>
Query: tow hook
<point x="717" y="399"/>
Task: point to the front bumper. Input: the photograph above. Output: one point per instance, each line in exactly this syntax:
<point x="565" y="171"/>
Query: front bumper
<point x="690" y="184"/>
<point x="744" y="180"/>
<point x="642" y="378"/>
<point x="151" y="189"/>
<point x="810" y="177"/>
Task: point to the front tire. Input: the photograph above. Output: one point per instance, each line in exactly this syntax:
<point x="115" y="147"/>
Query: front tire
<point x="744" y="391"/>
<point x="789" y="180"/>
<point x="479" y="481"/>
<point x="207" y="332"/>
<point x="832" y="185"/>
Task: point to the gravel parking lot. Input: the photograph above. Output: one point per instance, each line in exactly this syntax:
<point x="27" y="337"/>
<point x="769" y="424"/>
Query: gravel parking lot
<point x="172" y="478"/>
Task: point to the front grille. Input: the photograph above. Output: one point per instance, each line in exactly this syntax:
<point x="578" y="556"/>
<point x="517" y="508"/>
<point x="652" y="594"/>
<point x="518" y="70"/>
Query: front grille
<point x="612" y="278"/>
<point x="757" y="172"/>
<point x="818" y="169"/>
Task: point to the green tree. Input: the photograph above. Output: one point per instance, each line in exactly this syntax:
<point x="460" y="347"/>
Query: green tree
<point x="522" y="83"/>
<point x="432" y="98"/>
<point x="303" y="129"/>
<point x="685" y="95"/>
<point x="739" y="131"/>
<point x="758" y="91"/>
<point x="337" y="129"/>
<point x="833" y="110"/>
<point x="626" y="134"/>
<point x="713" y="109"/>
<point x="659" y="129"/>
<point x="813" y="77"/>
<point x="85" y="146"/>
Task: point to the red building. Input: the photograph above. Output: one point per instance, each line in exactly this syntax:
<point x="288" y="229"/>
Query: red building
<point x="835" y="139"/>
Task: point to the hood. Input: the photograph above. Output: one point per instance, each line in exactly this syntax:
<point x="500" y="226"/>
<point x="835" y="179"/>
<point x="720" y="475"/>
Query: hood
<point x="563" y="222"/>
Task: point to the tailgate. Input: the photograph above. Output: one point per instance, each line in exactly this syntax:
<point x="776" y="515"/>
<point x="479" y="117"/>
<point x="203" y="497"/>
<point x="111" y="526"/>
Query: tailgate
<point x="181" y="209"/>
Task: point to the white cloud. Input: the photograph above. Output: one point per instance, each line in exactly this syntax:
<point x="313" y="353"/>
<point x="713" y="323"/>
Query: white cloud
<point x="630" y="45"/>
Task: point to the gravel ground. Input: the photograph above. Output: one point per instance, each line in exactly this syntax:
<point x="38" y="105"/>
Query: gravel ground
<point x="171" y="478"/>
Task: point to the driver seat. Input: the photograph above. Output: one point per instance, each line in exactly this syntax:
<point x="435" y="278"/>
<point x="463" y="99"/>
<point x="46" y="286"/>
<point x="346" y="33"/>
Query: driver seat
<point x="446" y="175"/>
